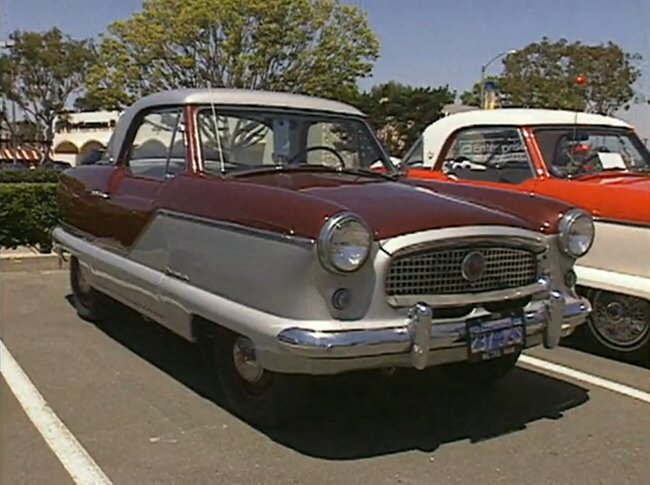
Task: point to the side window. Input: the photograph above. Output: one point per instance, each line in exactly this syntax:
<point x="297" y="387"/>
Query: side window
<point x="158" y="148"/>
<point x="489" y="155"/>
<point x="415" y="156"/>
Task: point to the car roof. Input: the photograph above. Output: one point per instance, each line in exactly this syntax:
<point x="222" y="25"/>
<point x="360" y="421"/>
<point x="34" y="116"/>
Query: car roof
<point x="244" y="97"/>
<point x="437" y="132"/>
<point x="524" y="116"/>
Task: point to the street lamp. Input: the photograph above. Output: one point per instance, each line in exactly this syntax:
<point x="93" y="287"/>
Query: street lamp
<point x="484" y="68"/>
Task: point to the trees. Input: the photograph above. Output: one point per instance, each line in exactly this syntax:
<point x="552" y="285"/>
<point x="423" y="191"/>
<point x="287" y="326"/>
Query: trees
<point x="543" y="75"/>
<point x="315" y="47"/>
<point x="40" y="73"/>
<point x="400" y="112"/>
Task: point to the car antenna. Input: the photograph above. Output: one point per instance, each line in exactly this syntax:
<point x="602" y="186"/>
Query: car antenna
<point x="581" y="80"/>
<point x="216" y="130"/>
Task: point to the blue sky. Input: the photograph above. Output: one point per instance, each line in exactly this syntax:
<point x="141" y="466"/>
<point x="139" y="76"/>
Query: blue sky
<point x="423" y="42"/>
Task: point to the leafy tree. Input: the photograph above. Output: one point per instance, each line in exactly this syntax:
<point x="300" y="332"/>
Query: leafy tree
<point x="544" y="74"/>
<point x="399" y="112"/>
<point x="41" y="72"/>
<point x="315" y="47"/>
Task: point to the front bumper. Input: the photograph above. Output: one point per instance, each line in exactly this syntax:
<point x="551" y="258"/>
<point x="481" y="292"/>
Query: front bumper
<point x="421" y="341"/>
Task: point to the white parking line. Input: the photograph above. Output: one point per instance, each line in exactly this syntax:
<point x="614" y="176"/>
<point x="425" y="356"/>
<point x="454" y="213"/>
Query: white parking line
<point x="81" y="467"/>
<point x="588" y="378"/>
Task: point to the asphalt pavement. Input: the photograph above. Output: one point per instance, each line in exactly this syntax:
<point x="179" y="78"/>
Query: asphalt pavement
<point x="143" y="405"/>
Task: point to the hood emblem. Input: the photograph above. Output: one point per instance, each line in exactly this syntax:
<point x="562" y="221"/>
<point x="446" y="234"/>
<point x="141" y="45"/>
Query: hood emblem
<point x="473" y="266"/>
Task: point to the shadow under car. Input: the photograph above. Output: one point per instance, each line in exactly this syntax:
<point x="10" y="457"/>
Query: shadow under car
<point x="366" y="414"/>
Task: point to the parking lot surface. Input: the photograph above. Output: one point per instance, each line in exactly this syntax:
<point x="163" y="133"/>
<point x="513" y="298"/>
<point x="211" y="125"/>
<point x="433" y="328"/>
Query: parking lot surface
<point x="143" y="405"/>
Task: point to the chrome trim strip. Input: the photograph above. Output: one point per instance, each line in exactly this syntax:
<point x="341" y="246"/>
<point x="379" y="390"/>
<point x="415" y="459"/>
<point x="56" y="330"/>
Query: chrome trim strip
<point x="537" y="245"/>
<point x="541" y="286"/>
<point x="232" y="226"/>
<point x="622" y="222"/>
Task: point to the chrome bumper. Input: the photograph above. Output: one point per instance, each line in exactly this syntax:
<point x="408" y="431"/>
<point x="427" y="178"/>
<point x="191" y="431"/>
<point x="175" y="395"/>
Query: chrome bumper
<point x="425" y="340"/>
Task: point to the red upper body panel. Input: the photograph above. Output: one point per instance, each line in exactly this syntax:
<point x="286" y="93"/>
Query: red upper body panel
<point x="109" y="202"/>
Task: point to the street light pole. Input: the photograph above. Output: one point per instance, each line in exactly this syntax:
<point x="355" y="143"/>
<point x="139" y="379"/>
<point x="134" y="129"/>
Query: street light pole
<point x="484" y="69"/>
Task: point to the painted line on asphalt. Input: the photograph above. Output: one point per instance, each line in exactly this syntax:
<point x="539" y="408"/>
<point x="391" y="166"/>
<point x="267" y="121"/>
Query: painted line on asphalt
<point x="76" y="460"/>
<point x="588" y="378"/>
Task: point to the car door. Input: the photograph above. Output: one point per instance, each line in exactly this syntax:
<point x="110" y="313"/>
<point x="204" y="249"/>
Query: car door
<point x="490" y="156"/>
<point x="154" y="152"/>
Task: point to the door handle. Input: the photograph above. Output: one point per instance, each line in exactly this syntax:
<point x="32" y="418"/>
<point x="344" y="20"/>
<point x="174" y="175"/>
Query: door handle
<point x="100" y="194"/>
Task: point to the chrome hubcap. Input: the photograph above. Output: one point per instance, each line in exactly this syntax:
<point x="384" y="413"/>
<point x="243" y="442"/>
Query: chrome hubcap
<point x="246" y="362"/>
<point x="621" y="321"/>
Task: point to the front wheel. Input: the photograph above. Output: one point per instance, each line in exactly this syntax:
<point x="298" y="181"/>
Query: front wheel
<point x="258" y="396"/>
<point x="619" y="326"/>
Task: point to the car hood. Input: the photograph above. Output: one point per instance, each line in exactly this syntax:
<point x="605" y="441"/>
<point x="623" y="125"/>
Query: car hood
<point x="619" y="180"/>
<point x="390" y="208"/>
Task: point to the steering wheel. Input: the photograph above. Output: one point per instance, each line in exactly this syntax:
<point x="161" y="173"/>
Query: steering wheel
<point x="328" y="149"/>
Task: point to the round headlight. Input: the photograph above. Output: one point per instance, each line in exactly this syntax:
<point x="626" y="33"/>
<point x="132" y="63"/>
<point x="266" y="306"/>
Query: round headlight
<point x="576" y="233"/>
<point x="344" y="243"/>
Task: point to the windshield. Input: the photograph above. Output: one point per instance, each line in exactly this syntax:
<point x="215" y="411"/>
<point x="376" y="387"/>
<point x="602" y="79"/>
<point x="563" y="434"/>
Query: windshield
<point x="237" y="139"/>
<point x="575" y="151"/>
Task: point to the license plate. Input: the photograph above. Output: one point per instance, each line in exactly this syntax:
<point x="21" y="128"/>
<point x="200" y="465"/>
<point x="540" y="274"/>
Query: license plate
<point x="490" y="337"/>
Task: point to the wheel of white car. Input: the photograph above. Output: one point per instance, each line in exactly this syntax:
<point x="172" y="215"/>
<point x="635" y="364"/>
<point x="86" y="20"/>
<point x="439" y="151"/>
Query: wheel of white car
<point x="258" y="396"/>
<point x="619" y="325"/>
<point x="90" y="304"/>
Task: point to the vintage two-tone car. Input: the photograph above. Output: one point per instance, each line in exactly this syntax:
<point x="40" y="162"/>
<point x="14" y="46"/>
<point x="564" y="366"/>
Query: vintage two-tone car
<point x="592" y="161"/>
<point x="251" y="223"/>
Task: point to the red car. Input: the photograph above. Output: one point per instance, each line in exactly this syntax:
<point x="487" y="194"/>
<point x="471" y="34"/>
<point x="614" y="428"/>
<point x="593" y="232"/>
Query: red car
<point x="595" y="162"/>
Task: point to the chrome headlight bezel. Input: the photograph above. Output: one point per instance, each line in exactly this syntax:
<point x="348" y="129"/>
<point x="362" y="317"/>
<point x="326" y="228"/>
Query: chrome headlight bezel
<point x="569" y="246"/>
<point x="342" y="222"/>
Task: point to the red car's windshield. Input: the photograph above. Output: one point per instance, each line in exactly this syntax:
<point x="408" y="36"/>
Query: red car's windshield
<point x="573" y="151"/>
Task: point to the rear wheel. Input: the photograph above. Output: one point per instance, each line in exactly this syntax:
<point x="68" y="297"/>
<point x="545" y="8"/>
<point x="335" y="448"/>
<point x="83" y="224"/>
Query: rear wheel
<point x="258" y="396"/>
<point x="91" y="305"/>
<point x="619" y="326"/>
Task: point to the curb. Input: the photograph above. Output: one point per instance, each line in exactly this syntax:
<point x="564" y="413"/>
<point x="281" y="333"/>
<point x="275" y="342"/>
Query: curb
<point x="17" y="263"/>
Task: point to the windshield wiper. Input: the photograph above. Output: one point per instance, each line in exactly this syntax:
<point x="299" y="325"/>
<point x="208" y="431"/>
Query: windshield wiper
<point x="257" y="169"/>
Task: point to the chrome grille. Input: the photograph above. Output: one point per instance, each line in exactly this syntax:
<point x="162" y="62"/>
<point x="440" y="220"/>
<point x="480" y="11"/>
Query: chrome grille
<point x="438" y="272"/>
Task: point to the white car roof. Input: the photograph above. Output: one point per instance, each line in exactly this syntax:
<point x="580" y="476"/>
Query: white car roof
<point x="244" y="97"/>
<point x="437" y="132"/>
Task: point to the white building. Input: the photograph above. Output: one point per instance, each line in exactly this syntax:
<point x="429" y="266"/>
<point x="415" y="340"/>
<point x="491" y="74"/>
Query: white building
<point x="77" y="134"/>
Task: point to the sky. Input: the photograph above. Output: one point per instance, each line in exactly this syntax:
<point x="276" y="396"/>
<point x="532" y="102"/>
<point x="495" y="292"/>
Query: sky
<point x="423" y="42"/>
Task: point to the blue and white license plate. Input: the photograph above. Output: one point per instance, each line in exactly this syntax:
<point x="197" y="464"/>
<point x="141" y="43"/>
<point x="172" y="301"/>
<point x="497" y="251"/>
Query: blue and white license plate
<point x="489" y="338"/>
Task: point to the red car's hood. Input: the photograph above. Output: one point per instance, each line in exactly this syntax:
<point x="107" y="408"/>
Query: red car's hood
<point x="613" y="179"/>
<point x="390" y="208"/>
